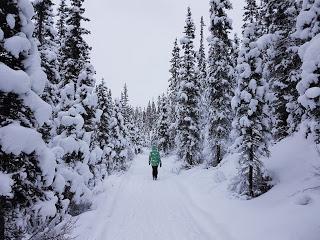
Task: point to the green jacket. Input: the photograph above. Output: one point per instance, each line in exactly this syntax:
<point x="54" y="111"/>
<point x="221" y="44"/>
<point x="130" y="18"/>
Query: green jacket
<point x="154" y="157"/>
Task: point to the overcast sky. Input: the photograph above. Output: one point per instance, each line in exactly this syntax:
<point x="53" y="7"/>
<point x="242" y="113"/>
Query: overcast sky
<point x="132" y="41"/>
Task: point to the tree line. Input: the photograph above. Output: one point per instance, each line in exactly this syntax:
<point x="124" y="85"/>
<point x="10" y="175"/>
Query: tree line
<point x="61" y="131"/>
<point x="242" y="96"/>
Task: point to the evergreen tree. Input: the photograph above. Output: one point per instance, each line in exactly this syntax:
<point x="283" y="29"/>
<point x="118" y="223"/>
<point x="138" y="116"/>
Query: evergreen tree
<point x="27" y="166"/>
<point x="120" y="142"/>
<point x="251" y="124"/>
<point x="174" y="82"/>
<point x="283" y="64"/>
<point x="62" y="17"/>
<point x="219" y="82"/>
<point x="174" y="72"/>
<point x="48" y="48"/>
<point x="202" y="64"/>
<point x="163" y="126"/>
<point x="125" y="104"/>
<point x="188" y="132"/>
<point x="127" y="113"/>
<point x="140" y="133"/>
<point x="105" y="104"/>
<point x="235" y="50"/>
<point x="308" y="31"/>
<point x="77" y="115"/>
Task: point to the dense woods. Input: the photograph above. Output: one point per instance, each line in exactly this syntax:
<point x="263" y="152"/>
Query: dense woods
<point x="62" y="132"/>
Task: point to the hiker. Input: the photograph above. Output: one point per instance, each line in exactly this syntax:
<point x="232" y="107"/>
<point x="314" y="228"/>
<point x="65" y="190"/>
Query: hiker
<point x="154" y="161"/>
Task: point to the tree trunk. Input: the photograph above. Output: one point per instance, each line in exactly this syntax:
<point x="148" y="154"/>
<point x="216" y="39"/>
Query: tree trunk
<point x="2" y="221"/>
<point x="218" y="154"/>
<point x="250" y="176"/>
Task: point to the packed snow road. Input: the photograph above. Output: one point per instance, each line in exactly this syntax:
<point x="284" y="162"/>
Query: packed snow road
<point x="138" y="208"/>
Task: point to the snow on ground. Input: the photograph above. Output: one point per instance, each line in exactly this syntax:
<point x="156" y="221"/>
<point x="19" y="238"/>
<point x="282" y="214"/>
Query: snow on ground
<point x="196" y="204"/>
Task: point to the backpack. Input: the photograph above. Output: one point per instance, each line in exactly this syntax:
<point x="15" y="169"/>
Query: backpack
<point x="154" y="158"/>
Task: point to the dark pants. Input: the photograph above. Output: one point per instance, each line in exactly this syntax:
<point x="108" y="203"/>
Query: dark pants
<point x="154" y="172"/>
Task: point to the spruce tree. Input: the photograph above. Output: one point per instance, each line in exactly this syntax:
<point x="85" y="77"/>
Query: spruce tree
<point x="127" y="113"/>
<point x="103" y="133"/>
<point x="125" y="104"/>
<point x="188" y="132"/>
<point x="219" y="81"/>
<point x="174" y="82"/>
<point x="62" y="17"/>
<point x="308" y="31"/>
<point x="48" y="48"/>
<point x="77" y="111"/>
<point x="61" y="27"/>
<point x="120" y="142"/>
<point x="163" y="126"/>
<point x="283" y="64"/>
<point x="27" y="166"/>
<point x="174" y="72"/>
<point x="252" y="123"/>
<point x="201" y="57"/>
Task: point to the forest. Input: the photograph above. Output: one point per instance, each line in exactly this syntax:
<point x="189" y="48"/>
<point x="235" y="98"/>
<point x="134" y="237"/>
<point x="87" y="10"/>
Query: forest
<point x="63" y="134"/>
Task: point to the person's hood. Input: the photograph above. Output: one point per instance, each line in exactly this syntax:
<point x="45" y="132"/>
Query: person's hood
<point x="154" y="148"/>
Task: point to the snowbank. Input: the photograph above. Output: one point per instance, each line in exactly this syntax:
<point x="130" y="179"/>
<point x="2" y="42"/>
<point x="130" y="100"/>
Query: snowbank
<point x="289" y="211"/>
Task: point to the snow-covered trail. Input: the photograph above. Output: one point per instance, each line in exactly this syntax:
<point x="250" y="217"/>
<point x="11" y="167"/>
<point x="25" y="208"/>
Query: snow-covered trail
<point x="143" y="209"/>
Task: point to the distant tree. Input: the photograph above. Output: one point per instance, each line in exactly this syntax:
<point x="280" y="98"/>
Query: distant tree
<point x="163" y="126"/>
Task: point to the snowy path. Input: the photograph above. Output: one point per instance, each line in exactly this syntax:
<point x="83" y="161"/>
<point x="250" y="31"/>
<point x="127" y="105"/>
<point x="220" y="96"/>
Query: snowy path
<point x="143" y="209"/>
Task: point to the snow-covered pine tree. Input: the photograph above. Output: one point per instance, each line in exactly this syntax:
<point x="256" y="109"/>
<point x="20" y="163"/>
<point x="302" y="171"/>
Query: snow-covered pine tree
<point x="48" y="48"/>
<point x="188" y="132"/>
<point x="163" y="126"/>
<point x="125" y="104"/>
<point x="202" y="79"/>
<point x="283" y="64"/>
<point x="139" y="136"/>
<point x="173" y="90"/>
<point x="61" y="26"/>
<point x="120" y="140"/>
<point x="154" y="114"/>
<point x="77" y="112"/>
<point x="103" y="131"/>
<point x="62" y="17"/>
<point x="201" y="57"/>
<point x="308" y="31"/>
<point x="219" y="80"/>
<point x="174" y="72"/>
<point x="27" y="166"/>
<point x="251" y="124"/>
<point x="148" y="120"/>
<point x="235" y="49"/>
<point x="127" y="113"/>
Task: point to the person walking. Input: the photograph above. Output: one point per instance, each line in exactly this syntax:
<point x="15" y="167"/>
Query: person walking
<point x="155" y="161"/>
